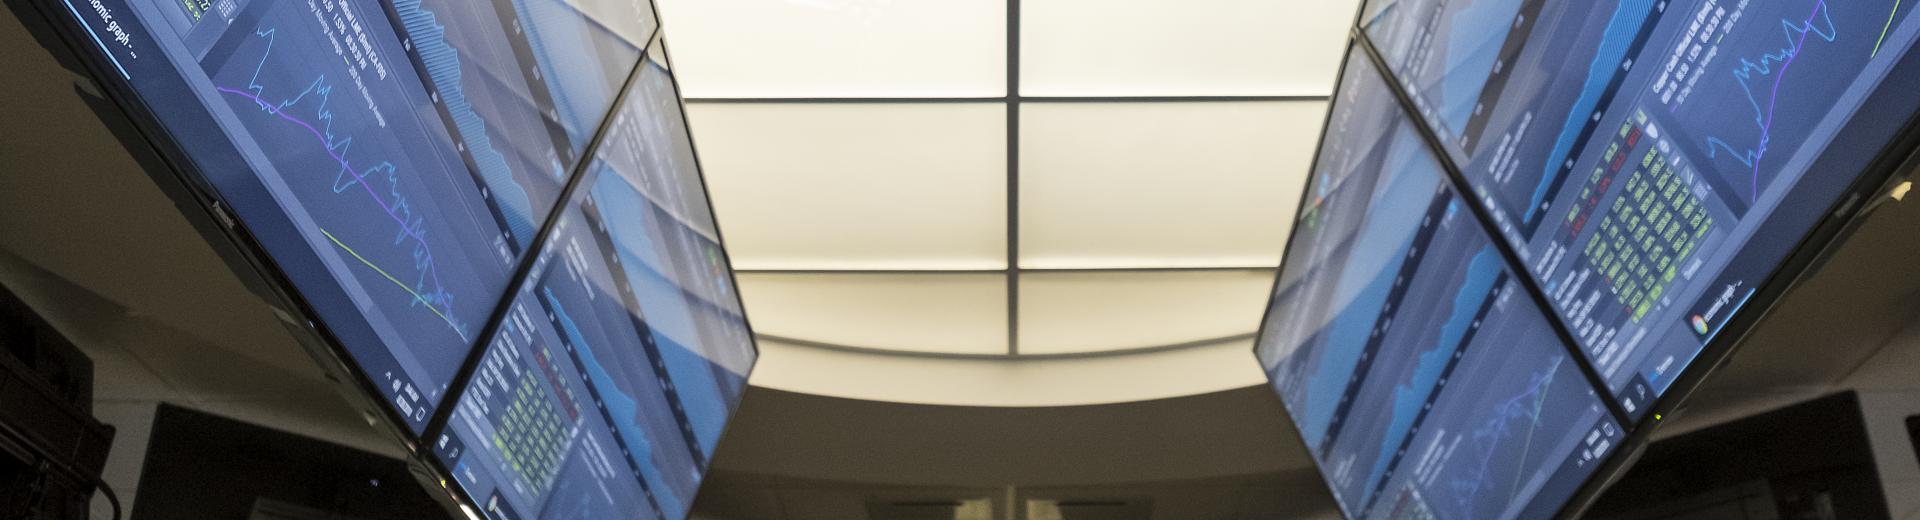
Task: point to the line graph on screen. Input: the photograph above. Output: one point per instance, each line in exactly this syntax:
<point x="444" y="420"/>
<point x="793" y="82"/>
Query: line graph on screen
<point x="1516" y="419"/>
<point x="311" y="109"/>
<point x="1622" y="30"/>
<point x="622" y="410"/>
<point x="443" y="68"/>
<point x="1753" y="74"/>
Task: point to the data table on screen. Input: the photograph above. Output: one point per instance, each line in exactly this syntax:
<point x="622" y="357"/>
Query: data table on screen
<point x="1652" y="161"/>
<point x="632" y="301"/>
<point x="1677" y="219"/>
<point x="623" y="339"/>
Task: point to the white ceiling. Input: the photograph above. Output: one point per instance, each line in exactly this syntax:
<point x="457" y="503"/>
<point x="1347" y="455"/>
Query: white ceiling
<point x="974" y="179"/>
<point x="1089" y="311"/>
<point x="1168" y="184"/>
<point x="1181" y="48"/>
<point x="838" y="48"/>
<point x="857" y="186"/>
<point x="958" y="313"/>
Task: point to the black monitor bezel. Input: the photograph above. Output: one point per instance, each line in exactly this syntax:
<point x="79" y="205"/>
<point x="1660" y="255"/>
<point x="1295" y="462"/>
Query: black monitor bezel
<point x="1358" y="47"/>
<point x="166" y="162"/>
<point x="1841" y="218"/>
<point x="427" y="460"/>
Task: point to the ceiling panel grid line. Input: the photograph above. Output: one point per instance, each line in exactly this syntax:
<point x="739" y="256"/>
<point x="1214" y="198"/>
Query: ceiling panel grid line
<point x="1208" y="118"/>
<point x="1012" y="99"/>
<point x="1013" y="177"/>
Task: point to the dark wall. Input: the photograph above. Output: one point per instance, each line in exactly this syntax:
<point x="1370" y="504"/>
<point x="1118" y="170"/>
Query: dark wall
<point x="205" y="467"/>
<point x="1810" y="460"/>
<point x="1913" y="430"/>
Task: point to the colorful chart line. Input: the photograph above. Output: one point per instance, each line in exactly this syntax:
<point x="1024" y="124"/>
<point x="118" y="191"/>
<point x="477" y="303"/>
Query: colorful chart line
<point x="383" y="272"/>
<point x="1884" y="28"/>
<point x="443" y="67"/>
<point x="1497" y="429"/>
<point x="335" y="148"/>
<point x="1748" y="69"/>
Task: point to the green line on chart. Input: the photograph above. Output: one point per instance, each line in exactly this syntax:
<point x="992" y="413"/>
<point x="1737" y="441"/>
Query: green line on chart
<point x="1883" y="29"/>
<point x="396" y="281"/>
<point x="1539" y="403"/>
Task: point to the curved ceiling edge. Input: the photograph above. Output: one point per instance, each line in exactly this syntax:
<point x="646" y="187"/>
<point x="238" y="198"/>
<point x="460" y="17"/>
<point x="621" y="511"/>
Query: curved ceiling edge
<point x="1243" y="339"/>
<point x="1231" y="434"/>
<point x="1004" y="381"/>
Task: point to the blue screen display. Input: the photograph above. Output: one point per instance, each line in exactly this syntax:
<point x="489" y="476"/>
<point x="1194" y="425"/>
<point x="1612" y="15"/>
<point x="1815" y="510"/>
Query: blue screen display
<point x="605" y="390"/>
<point x="393" y="159"/>
<point x="1513" y="431"/>
<point x="523" y="84"/>
<point x="1399" y="339"/>
<point x="1653" y="161"/>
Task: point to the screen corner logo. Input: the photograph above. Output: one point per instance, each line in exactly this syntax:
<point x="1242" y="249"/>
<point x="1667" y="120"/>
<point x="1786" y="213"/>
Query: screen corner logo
<point x="1716" y="309"/>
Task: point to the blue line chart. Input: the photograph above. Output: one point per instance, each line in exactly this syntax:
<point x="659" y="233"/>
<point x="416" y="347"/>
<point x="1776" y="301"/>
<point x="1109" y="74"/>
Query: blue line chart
<point x="427" y="288"/>
<point x="620" y="409"/>
<point x="1410" y="397"/>
<point x="1521" y="410"/>
<point x="1820" y="24"/>
<point x="443" y="68"/>
<point x="1621" y="31"/>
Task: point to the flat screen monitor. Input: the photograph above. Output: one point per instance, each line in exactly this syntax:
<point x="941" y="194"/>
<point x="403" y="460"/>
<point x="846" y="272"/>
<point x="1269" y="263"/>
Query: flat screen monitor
<point x="604" y="390"/>
<point x="1653" y="162"/>
<point x="387" y="163"/>
<point x="1424" y="380"/>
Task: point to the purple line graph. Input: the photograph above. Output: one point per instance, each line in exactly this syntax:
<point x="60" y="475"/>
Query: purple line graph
<point x="1523" y="410"/>
<point x="1820" y="24"/>
<point x="427" y="288"/>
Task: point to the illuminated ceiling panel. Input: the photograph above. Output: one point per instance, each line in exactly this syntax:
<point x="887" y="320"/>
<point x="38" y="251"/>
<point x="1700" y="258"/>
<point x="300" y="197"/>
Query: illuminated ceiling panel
<point x="1120" y="185"/>
<point x="857" y="186"/>
<point x="839" y="48"/>
<point x="927" y="313"/>
<point x="1181" y="47"/>
<point x="1079" y="312"/>
<point x="888" y="179"/>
